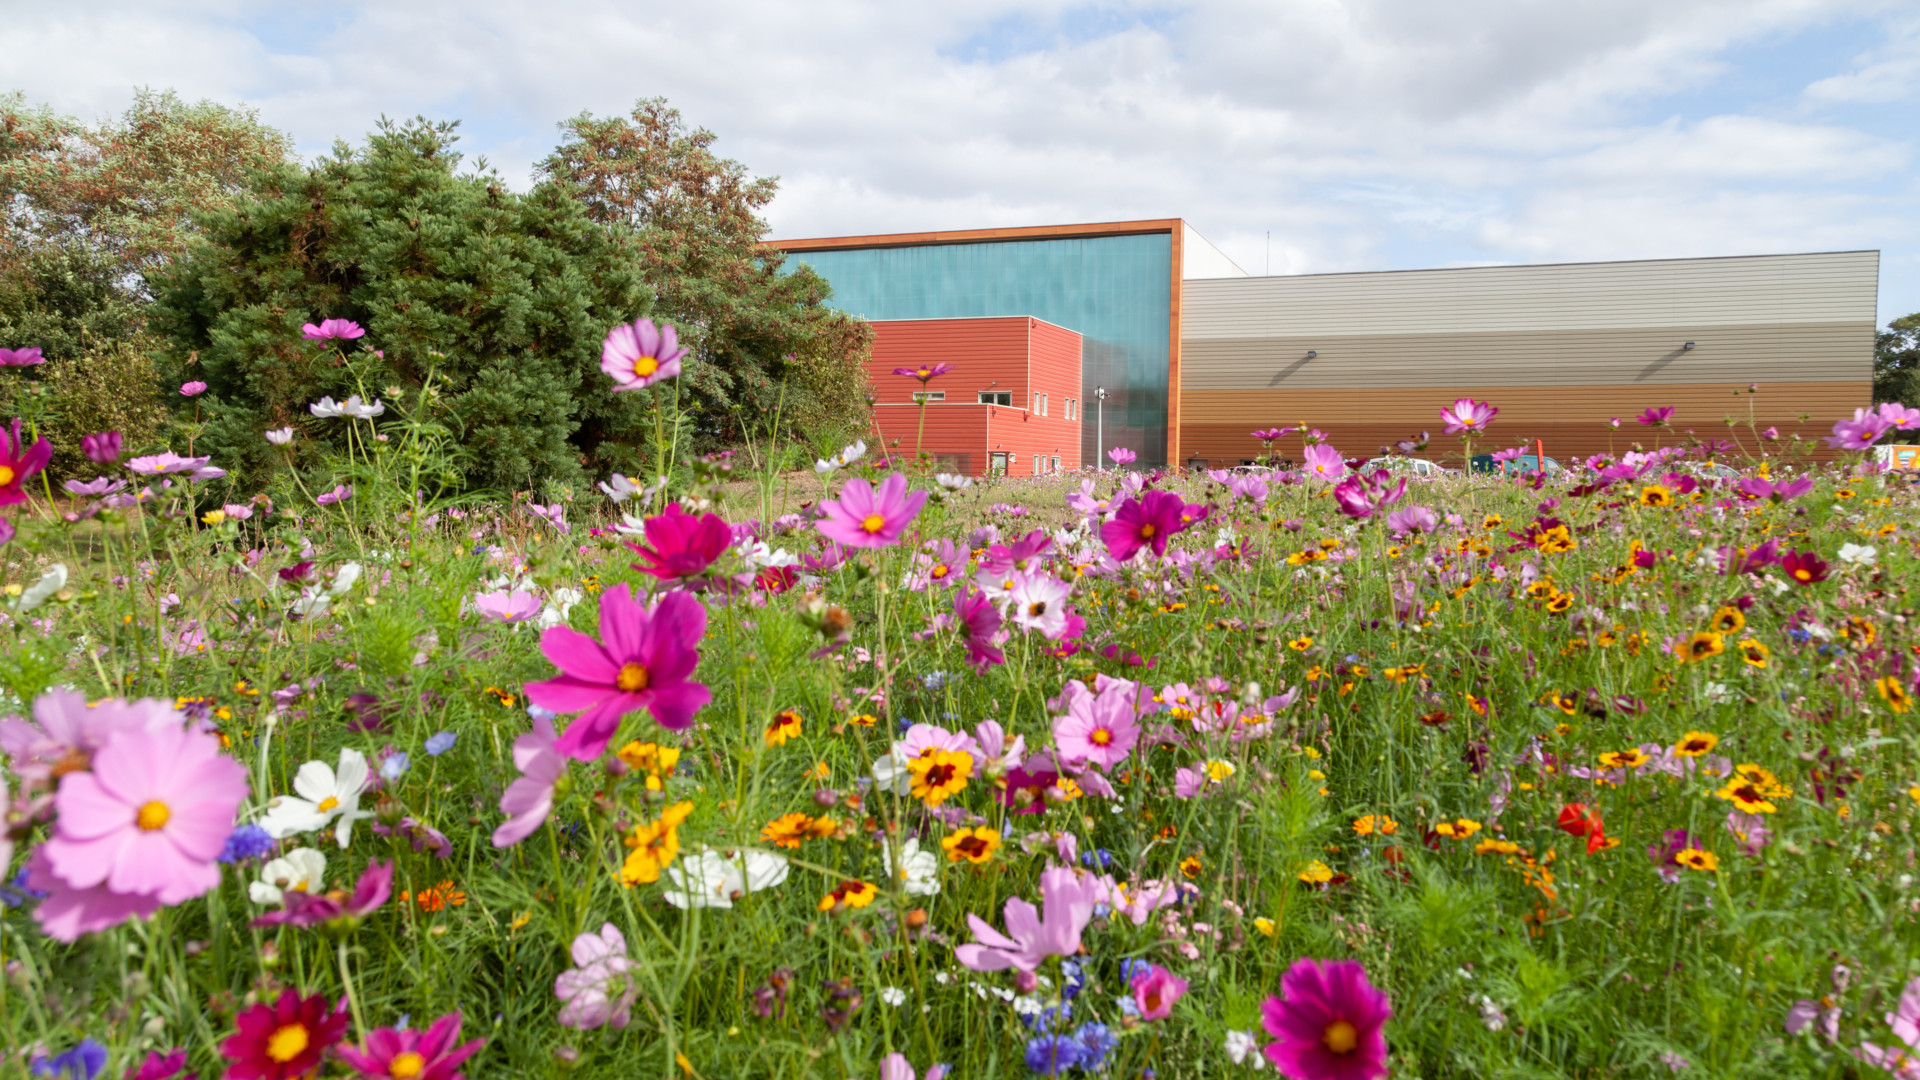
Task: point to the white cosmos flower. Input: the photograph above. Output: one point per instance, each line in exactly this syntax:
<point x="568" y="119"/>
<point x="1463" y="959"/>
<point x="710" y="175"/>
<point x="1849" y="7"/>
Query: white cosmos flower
<point x="953" y="481"/>
<point x="280" y="436"/>
<point x="1038" y="602"/>
<point x="1244" y="1049"/>
<point x="919" y="870"/>
<point x="302" y="868"/>
<point x="890" y="772"/>
<point x="894" y="996"/>
<point x="714" y="880"/>
<point x="326" y="407"/>
<point x="50" y="582"/>
<point x="322" y="796"/>
<point x="559" y="605"/>
<point x="619" y="488"/>
<point x="847" y="456"/>
<point x="359" y="410"/>
<point x="1858" y="554"/>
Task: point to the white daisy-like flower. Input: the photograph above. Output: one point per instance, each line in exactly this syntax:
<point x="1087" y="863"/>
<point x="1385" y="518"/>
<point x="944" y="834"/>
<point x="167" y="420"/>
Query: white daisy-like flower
<point x="1244" y="1049"/>
<point x="919" y="870"/>
<point x="712" y="879"/>
<point x="559" y="606"/>
<point x="953" y="481"/>
<point x="1858" y="554"/>
<point x="323" y="796"/>
<point x="893" y="996"/>
<point x="50" y="582"/>
<point x="304" y="869"/>
<point x="326" y="408"/>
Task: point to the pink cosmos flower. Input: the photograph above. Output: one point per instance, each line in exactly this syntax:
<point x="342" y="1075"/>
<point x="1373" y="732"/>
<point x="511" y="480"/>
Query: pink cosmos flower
<point x="1269" y="435"/>
<point x="1753" y="487"/>
<point x="639" y="354"/>
<point x="1905" y="1022"/>
<point x="166" y="462"/>
<point x="66" y="731"/>
<point x="1003" y="559"/>
<point x="1099" y="728"/>
<point x="340" y="493"/>
<point x="925" y="372"/>
<point x="1155" y="990"/>
<point x="1360" y="495"/>
<point x="151" y="816"/>
<point x="193" y="389"/>
<point x="416" y="1055"/>
<point x="1750" y="830"/>
<point x="646" y="662"/>
<point x="683" y="546"/>
<point x="18" y="464"/>
<point x="101" y="449"/>
<point x="67" y="912"/>
<point x="942" y="567"/>
<point x="598" y="991"/>
<point x="26" y="357"/>
<point x="1034" y="934"/>
<point x="1323" y="462"/>
<point x="997" y="755"/>
<point x="332" y="330"/>
<point x="529" y="799"/>
<point x="1656" y="417"/>
<point x="1147" y="522"/>
<point x="980" y="621"/>
<point x="1467" y="417"/>
<point x="1859" y="433"/>
<point x="1411" y="519"/>
<point x="507" y="607"/>
<point x="865" y="518"/>
<point x="1327" y="1022"/>
<point x="1038" y="602"/>
<point x="1122" y="456"/>
<point x="1900" y="416"/>
<point x="895" y="1066"/>
<point x="1190" y="781"/>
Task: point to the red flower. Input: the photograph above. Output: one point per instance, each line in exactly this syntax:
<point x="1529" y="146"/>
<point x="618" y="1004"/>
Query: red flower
<point x="285" y="1039"/>
<point x="1804" y="567"/>
<point x="1579" y="819"/>
<point x="682" y="545"/>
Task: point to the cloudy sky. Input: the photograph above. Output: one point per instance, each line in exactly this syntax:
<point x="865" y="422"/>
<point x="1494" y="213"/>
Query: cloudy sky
<point x="1360" y="134"/>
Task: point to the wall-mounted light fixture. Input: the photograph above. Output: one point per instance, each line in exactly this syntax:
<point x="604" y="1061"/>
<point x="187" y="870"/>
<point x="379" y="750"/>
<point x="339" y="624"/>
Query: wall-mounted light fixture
<point x="1311" y="353"/>
<point x="1688" y="345"/>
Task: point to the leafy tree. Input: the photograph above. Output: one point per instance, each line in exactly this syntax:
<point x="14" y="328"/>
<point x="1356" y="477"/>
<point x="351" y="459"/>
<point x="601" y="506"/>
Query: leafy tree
<point x="1896" y="361"/>
<point x="690" y="221"/>
<point x="505" y="298"/>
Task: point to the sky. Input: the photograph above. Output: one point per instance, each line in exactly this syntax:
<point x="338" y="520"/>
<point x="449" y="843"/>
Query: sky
<point x="1300" y="136"/>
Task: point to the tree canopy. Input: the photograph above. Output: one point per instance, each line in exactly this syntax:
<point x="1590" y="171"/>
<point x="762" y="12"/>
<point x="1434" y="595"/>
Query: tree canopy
<point x="1896" y="361"/>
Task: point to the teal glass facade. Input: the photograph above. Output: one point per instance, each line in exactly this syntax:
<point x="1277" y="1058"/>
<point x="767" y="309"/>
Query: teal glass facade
<point x="1115" y="291"/>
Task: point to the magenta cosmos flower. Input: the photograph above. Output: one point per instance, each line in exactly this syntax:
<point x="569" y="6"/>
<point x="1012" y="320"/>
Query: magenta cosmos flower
<point x="150" y="818"/>
<point x="302" y="908"/>
<point x="645" y="662"/>
<point x="1859" y="433"/>
<point x="1656" y="417"/>
<point x="980" y="621"/>
<point x="680" y="545"/>
<point x="1327" y="1020"/>
<point x="1270" y="435"/>
<point x="332" y="330"/>
<point x="21" y="357"/>
<point x="283" y="1040"/>
<point x="1467" y="416"/>
<point x="529" y="799"/>
<point x="1052" y="930"/>
<point x="865" y="518"/>
<point x="925" y="372"/>
<point x="1155" y="990"/>
<point x="18" y="464"/>
<point x="408" y="1054"/>
<point x="1149" y="521"/>
<point x="1122" y="456"/>
<point x="193" y="389"/>
<point x="639" y="354"/>
<point x="1099" y="728"/>
<point x="103" y="448"/>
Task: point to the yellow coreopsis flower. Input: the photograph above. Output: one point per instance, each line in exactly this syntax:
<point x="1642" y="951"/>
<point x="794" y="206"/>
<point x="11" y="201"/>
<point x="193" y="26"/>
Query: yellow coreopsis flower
<point x="938" y="774"/>
<point x="654" y="846"/>
<point x="785" y="725"/>
<point x="849" y="894"/>
<point x="1316" y="873"/>
<point x="976" y="846"/>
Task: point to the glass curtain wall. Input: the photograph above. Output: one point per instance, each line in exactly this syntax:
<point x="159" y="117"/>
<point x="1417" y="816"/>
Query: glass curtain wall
<point x="1115" y="291"/>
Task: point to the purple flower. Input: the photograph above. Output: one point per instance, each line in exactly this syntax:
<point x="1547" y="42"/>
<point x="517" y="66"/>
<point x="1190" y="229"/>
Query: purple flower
<point x="1328" y="1023"/>
<point x="1859" y="433"/>
<point x="1411" y="519"/>
<point x="507" y="607"/>
<point x="680" y="545"/>
<point x="1467" y="417"/>
<point x="166" y="462"/>
<point x="193" y="389"/>
<point x="83" y="1062"/>
<point x="1122" y="456"/>
<point x="340" y="493"/>
<point x="639" y="354"/>
<point x="1053" y="1055"/>
<point x="102" y="449"/>
<point x="305" y="909"/>
<point x="1900" y="416"/>
<point x="1053" y="930"/>
<point x="646" y="662"/>
<point x="529" y="799"/>
<point x="26" y="357"/>
<point x="980" y="621"/>
<point x="1269" y="435"/>
<point x="420" y="834"/>
<point x="1360" y="496"/>
<point x="925" y="372"/>
<point x="863" y="517"/>
<point x="1656" y="417"/>
<point x="598" y="991"/>
<point x="332" y="330"/>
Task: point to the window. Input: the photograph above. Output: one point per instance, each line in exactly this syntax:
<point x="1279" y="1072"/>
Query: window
<point x="1043" y="404"/>
<point x="1068" y="415"/>
<point x="1056" y="463"/>
<point x="999" y="464"/>
<point x="930" y="395"/>
<point x="1039" y="464"/>
<point x="996" y="397"/>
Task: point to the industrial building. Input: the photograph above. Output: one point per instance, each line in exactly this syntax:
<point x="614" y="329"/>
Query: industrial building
<point x="1194" y="354"/>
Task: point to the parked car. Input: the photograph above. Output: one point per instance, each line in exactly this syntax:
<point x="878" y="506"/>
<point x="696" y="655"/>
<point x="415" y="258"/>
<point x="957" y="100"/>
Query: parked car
<point x="1525" y="463"/>
<point x="1710" y="470"/>
<point x="1420" y="467"/>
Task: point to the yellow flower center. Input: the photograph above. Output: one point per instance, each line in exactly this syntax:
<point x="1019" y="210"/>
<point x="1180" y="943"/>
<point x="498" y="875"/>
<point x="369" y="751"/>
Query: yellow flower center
<point x="874" y="523"/>
<point x="632" y="678"/>
<point x="287" y="1043"/>
<point x="1101" y="736"/>
<point x="6" y="475"/>
<point x="153" y="816"/>
<point x="406" y="1066"/>
<point x="327" y="804"/>
<point x="1037" y="609"/>
<point x="1340" y="1037"/>
<point x="645" y="366"/>
<point x="1147" y="531"/>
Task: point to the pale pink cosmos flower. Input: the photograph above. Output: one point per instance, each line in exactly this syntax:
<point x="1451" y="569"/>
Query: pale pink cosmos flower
<point x="1038" y="602"/>
<point x="529" y="799"/>
<point x="1155" y="990"/>
<point x="646" y="662"/>
<point x="66" y="731"/>
<point x="67" y="912"/>
<point x="1033" y="934"/>
<point x="507" y="607"/>
<point x="598" y="991"/>
<point x="332" y="330"/>
<point x="997" y="755"/>
<point x="166" y="462"/>
<point x="1137" y="903"/>
<point x="638" y="354"/>
<point x="1122" y="456"/>
<point x="150" y="818"/>
<point x="1467" y="416"/>
<point x="1323" y="462"/>
<point x="1099" y="728"/>
<point x="865" y="518"/>
<point x="895" y="1066"/>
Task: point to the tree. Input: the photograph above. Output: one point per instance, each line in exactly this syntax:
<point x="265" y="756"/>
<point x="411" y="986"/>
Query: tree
<point x="690" y="221"/>
<point x="505" y="297"/>
<point x="1896" y="361"/>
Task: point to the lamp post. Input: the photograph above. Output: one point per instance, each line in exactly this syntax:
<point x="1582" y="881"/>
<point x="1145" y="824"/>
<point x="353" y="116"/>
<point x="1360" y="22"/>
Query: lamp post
<point x="1100" y="428"/>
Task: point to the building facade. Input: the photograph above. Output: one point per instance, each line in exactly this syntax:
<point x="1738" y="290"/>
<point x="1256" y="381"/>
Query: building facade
<point x="1195" y="354"/>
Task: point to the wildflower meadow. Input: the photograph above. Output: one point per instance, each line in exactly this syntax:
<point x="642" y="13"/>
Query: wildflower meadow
<point x="1325" y="771"/>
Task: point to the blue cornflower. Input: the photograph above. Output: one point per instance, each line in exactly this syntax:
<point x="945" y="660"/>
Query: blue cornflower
<point x="1100" y="855"/>
<point x="396" y="766"/>
<point x="1051" y="1055"/>
<point x="1131" y="967"/>
<point x="1050" y="1018"/>
<point x="539" y="713"/>
<point x="1096" y="1043"/>
<point x="246" y="842"/>
<point x="15" y="892"/>
<point x="440" y="742"/>
<point x="83" y="1062"/>
<point x="1073" y="978"/>
<point x="934" y="681"/>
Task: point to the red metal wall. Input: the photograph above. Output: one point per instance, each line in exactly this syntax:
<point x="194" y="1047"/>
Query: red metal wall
<point x="1021" y="356"/>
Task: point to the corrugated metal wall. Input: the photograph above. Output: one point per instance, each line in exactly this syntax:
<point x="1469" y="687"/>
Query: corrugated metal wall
<point x="1561" y="349"/>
